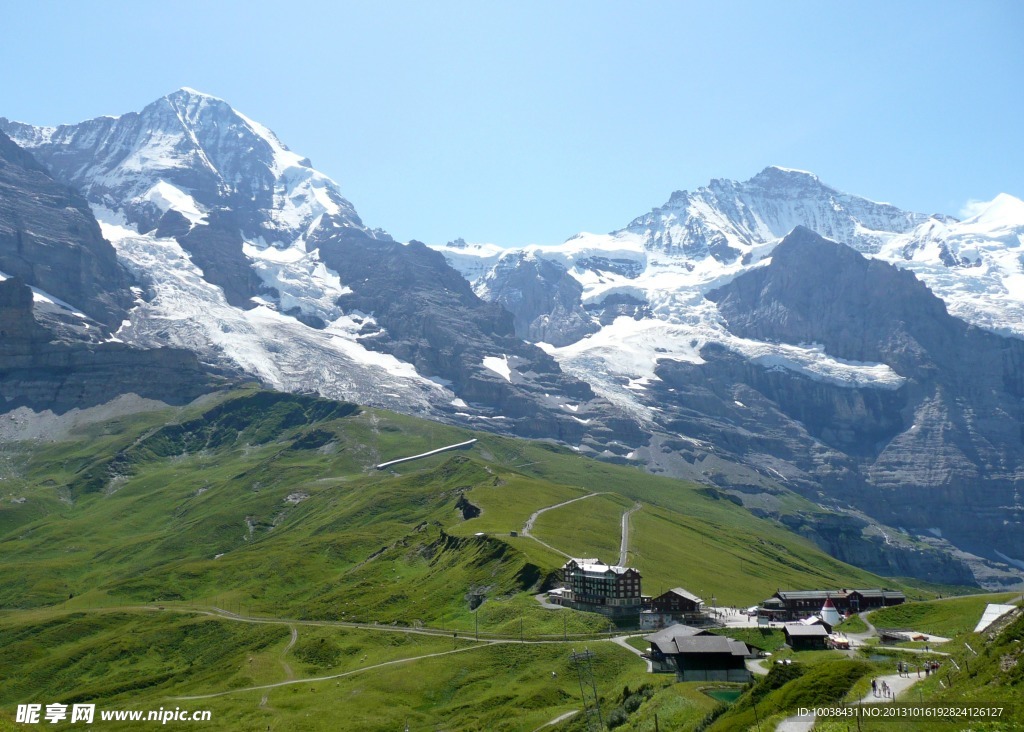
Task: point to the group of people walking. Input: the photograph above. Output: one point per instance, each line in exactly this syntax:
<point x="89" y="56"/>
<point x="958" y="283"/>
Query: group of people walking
<point x="882" y="687"/>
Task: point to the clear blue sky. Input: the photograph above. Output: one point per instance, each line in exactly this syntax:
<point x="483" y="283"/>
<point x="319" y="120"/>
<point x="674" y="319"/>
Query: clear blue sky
<point x="530" y="121"/>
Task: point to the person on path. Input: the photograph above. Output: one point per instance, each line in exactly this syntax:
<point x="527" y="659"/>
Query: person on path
<point x="874" y="686"/>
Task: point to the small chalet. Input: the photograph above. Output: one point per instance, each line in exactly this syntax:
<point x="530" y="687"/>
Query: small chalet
<point x="675" y="606"/>
<point x="801" y="637"/>
<point x="663" y="645"/>
<point x="697" y="655"/>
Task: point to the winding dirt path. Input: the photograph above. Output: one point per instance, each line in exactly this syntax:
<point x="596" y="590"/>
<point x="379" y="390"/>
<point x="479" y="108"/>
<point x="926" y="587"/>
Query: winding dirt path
<point x="559" y="718"/>
<point x="528" y="526"/>
<point x="897" y="685"/>
<point x="291" y="644"/>
<point x="623" y="640"/>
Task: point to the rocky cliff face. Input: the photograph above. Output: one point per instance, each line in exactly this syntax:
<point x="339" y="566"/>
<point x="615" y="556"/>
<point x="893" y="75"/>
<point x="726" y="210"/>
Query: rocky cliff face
<point x="914" y="456"/>
<point x="50" y="240"/>
<point x="545" y="301"/>
<point x="858" y="542"/>
<point x="44" y="373"/>
<point x="427" y="315"/>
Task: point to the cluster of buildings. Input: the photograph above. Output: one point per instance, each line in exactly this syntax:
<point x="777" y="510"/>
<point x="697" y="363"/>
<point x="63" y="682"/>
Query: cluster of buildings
<point x="593" y="586"/>
<point x="694" y="653"/>
<point x="808" y="619"/>
<point x="786" y="605"/>
<point x="811" y="615"/>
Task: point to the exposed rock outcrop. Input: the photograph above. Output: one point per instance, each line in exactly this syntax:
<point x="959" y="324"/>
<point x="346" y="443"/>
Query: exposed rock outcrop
<point x="915" y="456"/>
<point x="50" y="240"/>
<point x="430" y="317"/>
<point x="39" y="372"/>
<point x="543" y="298"/>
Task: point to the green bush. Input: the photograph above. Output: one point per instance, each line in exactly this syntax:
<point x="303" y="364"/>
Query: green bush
<point x="617" y="718"/>
<point x="319" y="652"/>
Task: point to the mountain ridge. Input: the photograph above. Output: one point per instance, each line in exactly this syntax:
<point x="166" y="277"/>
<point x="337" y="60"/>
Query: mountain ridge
<point x="255" y="261"/>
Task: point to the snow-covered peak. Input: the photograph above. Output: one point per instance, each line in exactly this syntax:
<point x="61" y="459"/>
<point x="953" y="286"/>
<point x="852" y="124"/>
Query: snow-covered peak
<point x="772" y="168"/>
<point x="187" y="91"/>
<point x="199" y="145"/>
<point x="726" y="219"/>
<point x="1002" y="211"/>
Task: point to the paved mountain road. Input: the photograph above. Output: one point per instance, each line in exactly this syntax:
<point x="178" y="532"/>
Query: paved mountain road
<point x="624" y="545"/>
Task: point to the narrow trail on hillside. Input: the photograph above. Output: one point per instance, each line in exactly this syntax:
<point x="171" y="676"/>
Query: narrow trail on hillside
<point x="291" y="644"/>
<point x="294" y="625"/>
<point x="528" y="526"/>
<point x="466" y="635"/>
<point x="897" y="685"/>
<point x="559" y="718"/>
<point x="314" y="679"/>
<point x="797" y="723"/>
<point x="288" y="673"/>
<point x="624" y="545"/>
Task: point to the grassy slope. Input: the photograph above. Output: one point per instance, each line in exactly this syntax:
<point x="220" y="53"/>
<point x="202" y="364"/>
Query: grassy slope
<point x="270" y="505"/>
<point x="946" y="618"/>
<point x="146" y="660"/>
<point x="291" y="517"/>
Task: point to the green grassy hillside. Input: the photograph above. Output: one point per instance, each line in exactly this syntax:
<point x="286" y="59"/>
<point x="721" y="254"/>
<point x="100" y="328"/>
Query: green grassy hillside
<point x="946" y="618"/>
<point x="114" y="542"/>
<point x="272" y="502"/>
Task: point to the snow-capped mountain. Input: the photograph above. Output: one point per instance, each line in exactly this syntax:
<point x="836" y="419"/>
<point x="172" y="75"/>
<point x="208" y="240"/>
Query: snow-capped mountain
<point x="727" y="219"/>
<point x="691" y="341"/>
<point x="192" y="153"/>
<point x="253" y="259"/>
<point x="659" y="327"/>
<point x="657" y="269"/>
<point x="212" y="212"/>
